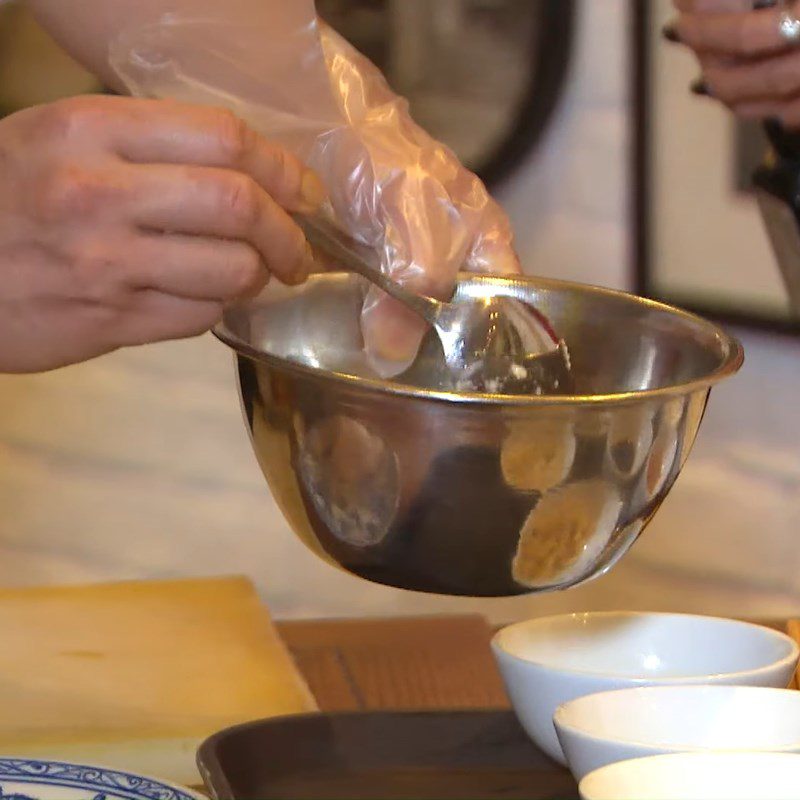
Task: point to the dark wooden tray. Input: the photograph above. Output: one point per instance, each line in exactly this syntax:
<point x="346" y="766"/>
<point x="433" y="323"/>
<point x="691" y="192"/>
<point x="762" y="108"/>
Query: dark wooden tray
<point x="431" y="755"/>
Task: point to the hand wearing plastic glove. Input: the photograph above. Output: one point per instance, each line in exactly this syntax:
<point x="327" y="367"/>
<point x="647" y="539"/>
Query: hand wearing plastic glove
<point x="390" y="184"/>
<point x="412" y="198"/>
<point x="127" y="221"/>
<point x="298" y="83"/>
<point x="747" y="61"/>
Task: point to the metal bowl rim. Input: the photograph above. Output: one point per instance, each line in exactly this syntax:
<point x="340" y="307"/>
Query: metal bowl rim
<point x="729" y="366"/>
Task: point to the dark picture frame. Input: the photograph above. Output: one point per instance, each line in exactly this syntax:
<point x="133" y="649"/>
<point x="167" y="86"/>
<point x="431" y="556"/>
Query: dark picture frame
<point x="642" y="200"/>
<point x="551" y="46"/>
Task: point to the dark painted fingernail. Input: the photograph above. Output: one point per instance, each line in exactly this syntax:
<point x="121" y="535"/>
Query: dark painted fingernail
<point x="670" y="33"/>
<point x="775" y="130"/>
<point x="700" y="88"/>
<point x="758" y="5"/>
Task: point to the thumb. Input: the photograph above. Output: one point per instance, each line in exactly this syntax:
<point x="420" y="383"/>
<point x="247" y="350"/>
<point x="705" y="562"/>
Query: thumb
<point x="494" y="255"/>
<point x="392" y="334"/>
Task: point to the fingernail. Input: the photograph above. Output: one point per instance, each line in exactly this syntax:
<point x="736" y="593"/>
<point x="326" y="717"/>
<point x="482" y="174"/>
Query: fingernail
<point x="392" y="335"/>
<point x="304" y="268"/>
<point x="670" y="33"/>
<point x="758" y="5"/>
<point x="307" y="265"/>
<point x="776" y="132"/>
<point x="312" y="190"/>
<point x="504" y="262"/>
<point x="700" y="88"/>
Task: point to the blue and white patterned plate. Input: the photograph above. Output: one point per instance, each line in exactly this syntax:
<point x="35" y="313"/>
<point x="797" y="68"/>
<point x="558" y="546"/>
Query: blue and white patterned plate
<point x="23" y="779"/>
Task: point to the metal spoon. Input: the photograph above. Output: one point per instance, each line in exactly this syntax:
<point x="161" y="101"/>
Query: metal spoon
<point x="494" y="344"/>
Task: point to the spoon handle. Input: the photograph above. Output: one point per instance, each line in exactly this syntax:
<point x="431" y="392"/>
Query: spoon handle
<point x="358" y="258"/>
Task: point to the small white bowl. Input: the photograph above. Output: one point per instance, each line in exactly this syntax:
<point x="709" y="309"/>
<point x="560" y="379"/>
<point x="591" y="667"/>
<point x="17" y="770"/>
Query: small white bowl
<point x="698" y="776"/>
<point x="548" y="661"/>
<point x="600" y="729"/>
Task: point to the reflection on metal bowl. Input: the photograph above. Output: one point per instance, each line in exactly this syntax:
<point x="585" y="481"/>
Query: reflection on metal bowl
<point x="351" y="478"/>
<point x="566" y="533"/>
<point x="437" y="492"/>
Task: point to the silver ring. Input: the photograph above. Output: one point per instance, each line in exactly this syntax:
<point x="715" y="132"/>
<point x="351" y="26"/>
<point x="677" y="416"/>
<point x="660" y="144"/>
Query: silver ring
<point x="789" y="28"/>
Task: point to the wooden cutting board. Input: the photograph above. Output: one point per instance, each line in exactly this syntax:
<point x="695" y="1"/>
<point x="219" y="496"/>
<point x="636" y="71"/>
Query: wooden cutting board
<point x="136" y="675"/>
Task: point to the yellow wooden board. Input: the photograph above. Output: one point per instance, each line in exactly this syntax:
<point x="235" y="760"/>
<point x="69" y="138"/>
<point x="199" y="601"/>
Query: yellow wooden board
<point x="135" y="675"/>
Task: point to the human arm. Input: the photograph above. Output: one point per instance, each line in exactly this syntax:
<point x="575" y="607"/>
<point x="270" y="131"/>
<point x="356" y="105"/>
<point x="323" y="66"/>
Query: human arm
<point x="389" y="183"/>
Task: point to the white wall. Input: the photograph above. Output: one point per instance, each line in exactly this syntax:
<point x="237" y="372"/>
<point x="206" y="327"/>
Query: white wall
<point x="569" y="204"/>
<point x="733" y="520"/>
<point x="137" y="465"/>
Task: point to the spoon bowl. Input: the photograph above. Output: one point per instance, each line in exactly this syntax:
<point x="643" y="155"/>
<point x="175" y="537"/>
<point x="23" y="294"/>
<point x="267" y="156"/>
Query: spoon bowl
<point x="492" y="344"/>
<point x="501" y="345"/>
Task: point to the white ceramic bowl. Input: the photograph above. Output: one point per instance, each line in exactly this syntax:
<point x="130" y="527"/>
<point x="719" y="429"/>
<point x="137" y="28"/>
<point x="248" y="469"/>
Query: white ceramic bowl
<point x="698" y="776"/>
<point x="600" y="729"/>
<point x="548" y="661"/>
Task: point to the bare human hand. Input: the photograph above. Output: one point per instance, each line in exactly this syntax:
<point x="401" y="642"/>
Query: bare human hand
<point x="125" y="221"/>
<point x="746" y="63"/>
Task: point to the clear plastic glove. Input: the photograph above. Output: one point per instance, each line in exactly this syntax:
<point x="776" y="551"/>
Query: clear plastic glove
<point x="390" y="184"/>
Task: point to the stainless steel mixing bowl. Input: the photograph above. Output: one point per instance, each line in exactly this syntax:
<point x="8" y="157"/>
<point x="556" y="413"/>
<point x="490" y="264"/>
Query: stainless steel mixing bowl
<point x="474" y="495"/>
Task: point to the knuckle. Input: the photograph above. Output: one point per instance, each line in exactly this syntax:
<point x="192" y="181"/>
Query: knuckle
<point x="73" y="118"/>
<point x="234" y="137"/>
<point x="239" y="200"/>
<point x="69" y="191"/>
